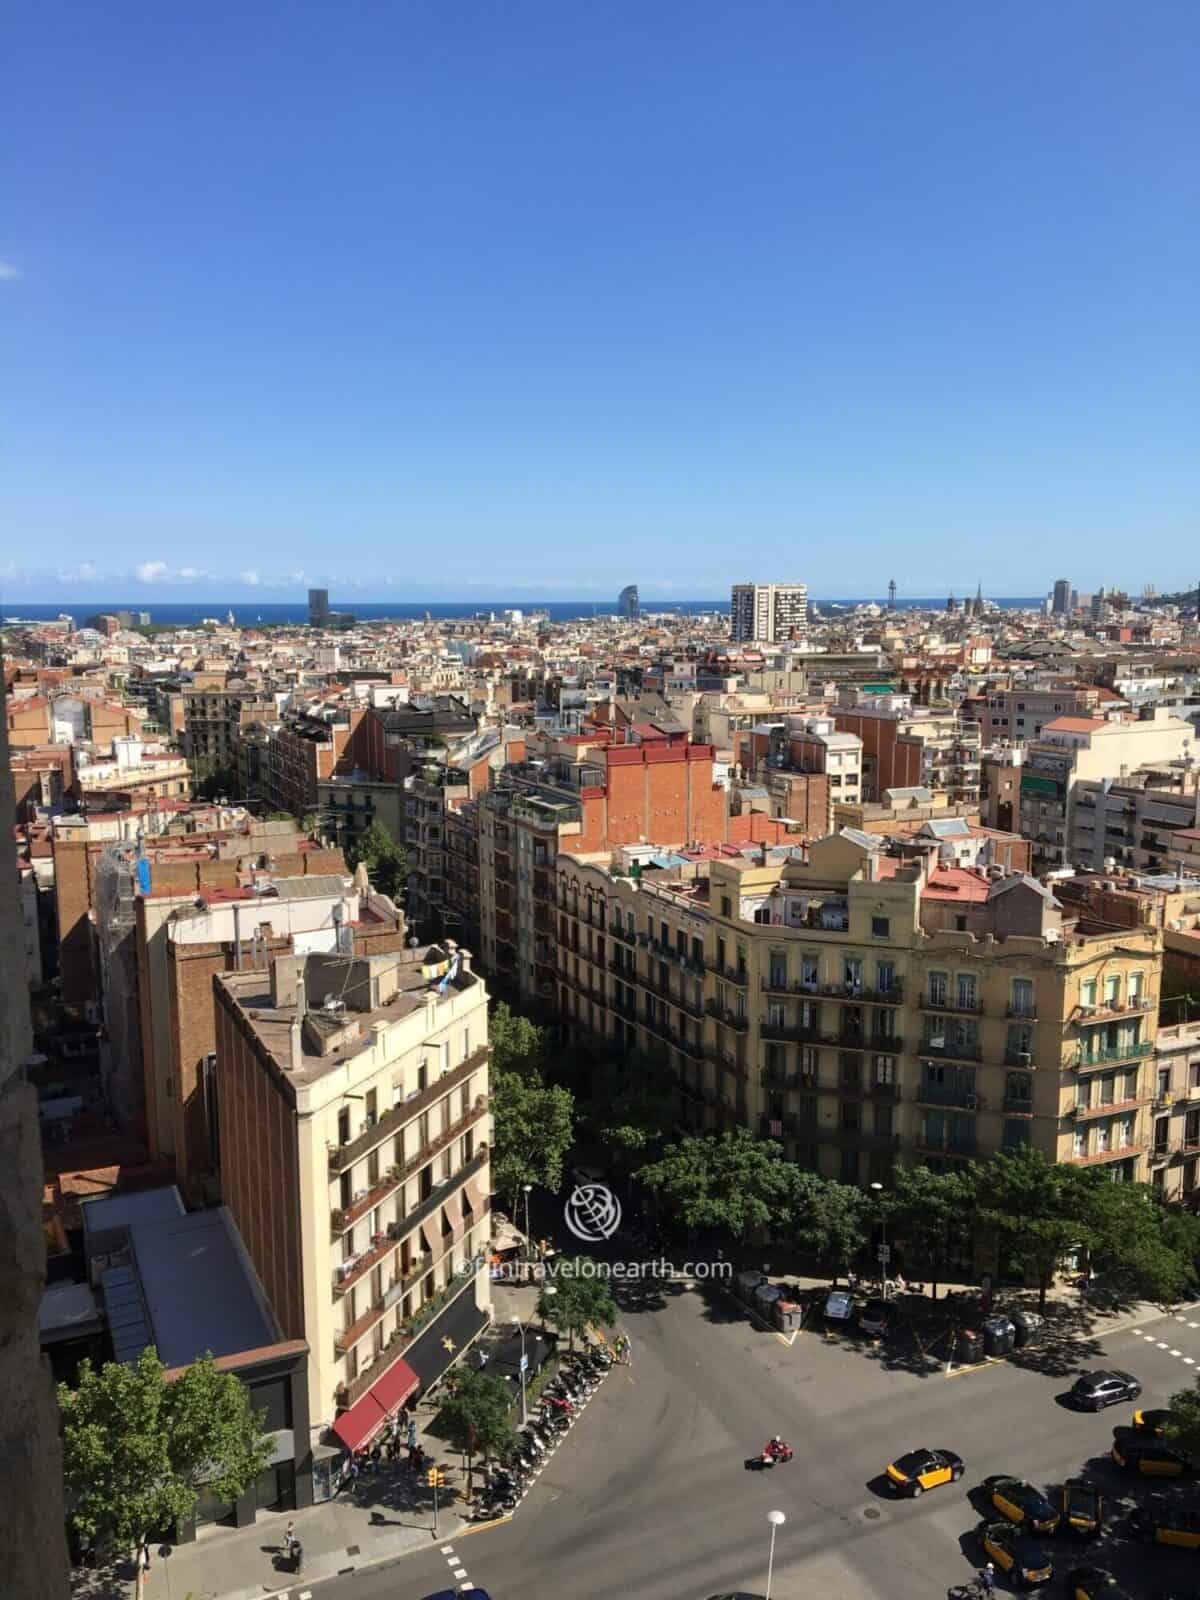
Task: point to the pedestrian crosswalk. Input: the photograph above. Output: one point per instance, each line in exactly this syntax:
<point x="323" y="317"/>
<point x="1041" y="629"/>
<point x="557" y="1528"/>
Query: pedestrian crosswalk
<point x="1149" y="1334"/>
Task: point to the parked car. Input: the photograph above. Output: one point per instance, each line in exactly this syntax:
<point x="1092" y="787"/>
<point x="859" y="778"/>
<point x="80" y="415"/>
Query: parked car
<point x="1174" y="1525"/>
<point x="839" y="1307"/>
<point x="918" y="1470"/>
<point x="1150" y="1459"/>
<point x="1094" y="1583"/>
<point x="1021" y="1503"/>
<point x="875" y="1317"/>
<point x="1018" y="1555"/>
<point x="1082" y="1508"/>
<point x="1155" y="1422"/>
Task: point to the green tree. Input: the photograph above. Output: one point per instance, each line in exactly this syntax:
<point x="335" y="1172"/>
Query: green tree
<point x="933" y="1213"/>
<point x="580" y="1297"/>
<point x="475" y="1415"/>
<point x="1135" y="1240"/>
<point x="1184" y="1428"/>
<point x="1037" y="1211"/>
<point x="834" y="1219"/>
<point x="137" y="1448"/>
<point x="385" y="857"/>
<point x="518" y="1045"/>
<point x="534" y="1128"/>
<point x="212" y="782"/>
<point x="729" y="1180"/>
<point x="632" y="1104"/>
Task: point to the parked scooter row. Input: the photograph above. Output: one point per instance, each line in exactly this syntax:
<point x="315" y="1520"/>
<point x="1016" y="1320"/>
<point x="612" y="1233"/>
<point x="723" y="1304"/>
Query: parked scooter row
<point x="559" y="1404"/>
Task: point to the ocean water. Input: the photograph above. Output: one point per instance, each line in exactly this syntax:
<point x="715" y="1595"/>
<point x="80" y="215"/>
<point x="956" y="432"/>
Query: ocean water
<point x="248" y="612"/>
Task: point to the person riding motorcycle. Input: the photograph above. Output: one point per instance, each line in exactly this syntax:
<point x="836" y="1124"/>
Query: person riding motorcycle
<point x="774" y="1449"/>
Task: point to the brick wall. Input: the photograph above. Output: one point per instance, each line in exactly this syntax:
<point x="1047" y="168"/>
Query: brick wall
<point x="73" y="880"/>
<point x="260" y="1181"/>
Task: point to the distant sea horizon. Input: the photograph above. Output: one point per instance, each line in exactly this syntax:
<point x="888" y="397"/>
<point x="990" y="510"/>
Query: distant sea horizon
<point x="248" y="613"/>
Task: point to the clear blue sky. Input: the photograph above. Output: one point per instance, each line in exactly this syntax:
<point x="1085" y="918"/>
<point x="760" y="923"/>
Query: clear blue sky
<point x="546" y="298"/>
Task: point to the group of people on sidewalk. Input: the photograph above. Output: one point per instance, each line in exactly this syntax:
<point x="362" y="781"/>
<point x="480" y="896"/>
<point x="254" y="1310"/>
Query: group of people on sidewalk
<point x="398" y="1436"/>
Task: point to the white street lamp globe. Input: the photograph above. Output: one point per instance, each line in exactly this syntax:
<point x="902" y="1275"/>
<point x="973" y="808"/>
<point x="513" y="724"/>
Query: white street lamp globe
<point x="776" y="1517"/>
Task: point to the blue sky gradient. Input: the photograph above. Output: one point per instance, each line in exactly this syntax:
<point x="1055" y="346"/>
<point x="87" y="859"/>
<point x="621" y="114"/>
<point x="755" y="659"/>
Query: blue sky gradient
<point x="544" y="298"/>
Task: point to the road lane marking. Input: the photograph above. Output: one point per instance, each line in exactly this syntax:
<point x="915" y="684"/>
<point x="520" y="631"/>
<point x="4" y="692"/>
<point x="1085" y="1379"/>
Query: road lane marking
<point x="1162" y="1344"/>
<point x="447" y="1549"/>
<point x="1188" y="1362"/>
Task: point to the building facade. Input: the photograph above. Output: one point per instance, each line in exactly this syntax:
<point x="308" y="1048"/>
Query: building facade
<point x="863" y="1008"/>
<point x="768" y="612"/>
<point x="353" y="1098"/>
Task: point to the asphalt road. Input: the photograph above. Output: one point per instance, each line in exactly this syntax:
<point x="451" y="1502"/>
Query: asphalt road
<point x="649" y="1497"/>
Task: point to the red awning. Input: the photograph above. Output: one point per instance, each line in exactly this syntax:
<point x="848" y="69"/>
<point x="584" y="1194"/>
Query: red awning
<point x="366" y="1416"/>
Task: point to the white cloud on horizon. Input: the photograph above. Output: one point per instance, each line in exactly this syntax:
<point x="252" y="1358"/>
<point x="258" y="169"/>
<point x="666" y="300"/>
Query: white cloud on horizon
<point x="251" y="578"/>
<point x="152" y="572"/>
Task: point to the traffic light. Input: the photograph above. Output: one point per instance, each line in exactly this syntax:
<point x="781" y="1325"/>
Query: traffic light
<point x="435" y="1478"/>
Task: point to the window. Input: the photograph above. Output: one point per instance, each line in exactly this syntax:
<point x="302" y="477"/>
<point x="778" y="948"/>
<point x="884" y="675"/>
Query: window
<point x="884" y="1068"/>
<point x="938" y="982"/>
<point x="1079" y="1143"/>
<point x="881" y="928"/>
<point x="775" y="1014"/>
<point x="726" y="906"/>
<point x="853" y="974"/>
<point x="1020" y="1041"/>
<point x="1136" y="988"/>
<point x="967" y="991"/>
<point x="778" y="978"/>
<point x="810" y="1061"/>
<point x="809" y="971"/>
<point x="1016" y="1133"/>
<point x="1087" y="992"/>
<point x="849" y="1166"/>
<point x="444" y="1053"/>
<point x="1164" y="1082"/>
<point x="849" y="1072"/>
<point x="1194" y="1075"/>
<point x="885" y="976"/>
<point x="1112" y="989"/>
<point x="1022" y="997"/>
<point x="1018" y="1089"/>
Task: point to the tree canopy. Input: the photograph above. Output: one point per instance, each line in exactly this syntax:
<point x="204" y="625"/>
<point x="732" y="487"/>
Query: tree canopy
<point x="580" y="1297"/>
<point x="475" y="1415"/>
<point x="833" y="1219"/>
<point x="137" y="1448"/>
<point x="386" y="858"/>
<point x="931" y="1215"/>
<point x="534" y="1127"/>
<point x="518" y="1045"/>
<point x="731" y="1181"/>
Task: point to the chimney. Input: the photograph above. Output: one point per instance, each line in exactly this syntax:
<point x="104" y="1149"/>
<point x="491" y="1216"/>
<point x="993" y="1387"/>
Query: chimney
<point x="296" y="1043"/>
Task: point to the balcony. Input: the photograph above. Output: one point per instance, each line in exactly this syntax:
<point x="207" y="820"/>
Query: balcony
<point x="729" y="1018"/>
<point x="884" y="1091"/>
<point x="953" y="1003"/>
<point x="942" y="1094"/>
<point x="796" y="1033"/>
<point x="1089" y="1016"/>
<point x="779" y="1127"/>
<point x="960" y="1148"/>
<point x="861" y="1138"/>
<point x="403" y="1337"/>
<point x="350" y="1273"/>
<point x="737" y="975"/>
<point x="857" y="992"/>
<point x="1085" y="1113"/>
<point x="952" y="1049"/>
<point x="1018" y="1106"/>
<point x="886" y="1043"/>
<point x="773" y="1078"/>
<point x="343" y="1218"/>
<point x="1083" y="1060"/>
<point x="344" y="1155"/>
<point x="1125" y="1152"/>
<point x="1022" y="1013"/>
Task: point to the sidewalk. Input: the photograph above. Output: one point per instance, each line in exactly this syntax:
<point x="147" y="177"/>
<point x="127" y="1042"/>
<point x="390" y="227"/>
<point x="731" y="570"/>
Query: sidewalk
<point x="387" y="1516"/>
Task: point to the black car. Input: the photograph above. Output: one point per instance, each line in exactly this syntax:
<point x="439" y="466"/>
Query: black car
<point x="1019" y="1556"/>
<point x="1094" y="1583"/>
<point x="1021" y="1503"/>
<point x="1092" y="1391"/>
<point x="1082" y="1508"/>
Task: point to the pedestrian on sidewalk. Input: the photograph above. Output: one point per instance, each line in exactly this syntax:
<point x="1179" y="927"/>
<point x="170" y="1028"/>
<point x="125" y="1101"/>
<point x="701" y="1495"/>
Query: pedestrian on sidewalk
<point x="412" y="1433"/>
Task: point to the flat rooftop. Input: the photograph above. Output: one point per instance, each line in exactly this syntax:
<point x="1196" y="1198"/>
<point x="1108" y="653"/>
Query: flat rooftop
<point x="343" y="1031"/>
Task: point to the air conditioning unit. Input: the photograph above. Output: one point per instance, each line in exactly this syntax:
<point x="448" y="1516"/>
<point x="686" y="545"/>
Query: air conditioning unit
<point x="1147" y="1004"/>
<point x="1087" y="1011"/>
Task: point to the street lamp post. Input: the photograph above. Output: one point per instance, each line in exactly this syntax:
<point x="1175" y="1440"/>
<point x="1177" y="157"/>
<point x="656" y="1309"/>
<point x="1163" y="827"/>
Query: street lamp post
<point x="777" y="1520"/>
<point x="520" y="1327"/>
<point x="884" y="1252"/>
<point x="528" y="1252"/>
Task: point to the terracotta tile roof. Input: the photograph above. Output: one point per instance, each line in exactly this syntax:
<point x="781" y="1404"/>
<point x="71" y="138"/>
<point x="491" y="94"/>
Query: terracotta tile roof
<point x="957" y="884"/>
<point x="1074" y="725"/>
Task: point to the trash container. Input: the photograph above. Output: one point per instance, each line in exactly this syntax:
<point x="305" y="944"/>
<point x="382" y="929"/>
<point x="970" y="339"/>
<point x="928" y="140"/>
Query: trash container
<point x="970" y="1345"/>
<point x="1027" y="1327"/>
<point x="746" y="1283"/>
<point x="788" y="1315"/>
<point x="765" y="1298"/>
<point x="998" y="1336"/>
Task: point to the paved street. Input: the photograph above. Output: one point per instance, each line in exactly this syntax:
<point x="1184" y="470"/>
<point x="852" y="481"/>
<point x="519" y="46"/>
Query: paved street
<point x="649" y="1497"/>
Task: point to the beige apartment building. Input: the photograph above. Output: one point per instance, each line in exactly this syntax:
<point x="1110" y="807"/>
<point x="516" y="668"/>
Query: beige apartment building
<point x="864" y="1007"/>
<point x="1175" y="1134"/>
<point x="354" y="1138"/>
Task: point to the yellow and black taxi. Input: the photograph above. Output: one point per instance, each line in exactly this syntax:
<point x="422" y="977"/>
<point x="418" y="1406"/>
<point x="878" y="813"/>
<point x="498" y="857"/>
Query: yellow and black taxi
<point x="1017" y="1554"/>
<point x="1154" y="1421"/>
<point x="919" y="1470"/>
<point x="1173" y="1525"/>
<point x="1094" y="1583"/>
<point x="1082" y="1512"/>
<point x="1021" y="1503"/>
<point x="1150" y="1458"/>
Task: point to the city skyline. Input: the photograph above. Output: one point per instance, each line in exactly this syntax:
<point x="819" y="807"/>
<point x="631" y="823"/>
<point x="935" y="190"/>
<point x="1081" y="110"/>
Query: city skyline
<point x="518" y="293"/>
